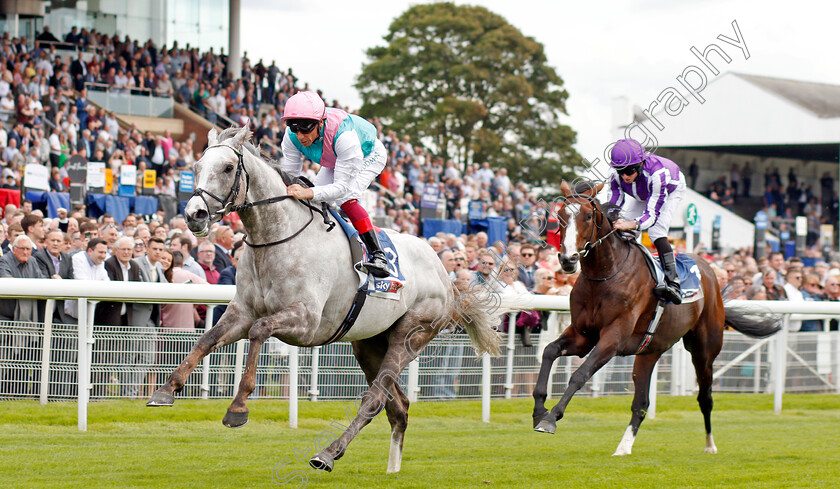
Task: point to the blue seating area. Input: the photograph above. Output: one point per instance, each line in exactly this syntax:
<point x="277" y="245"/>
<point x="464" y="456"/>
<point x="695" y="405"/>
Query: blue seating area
<point x="97" y="204"/>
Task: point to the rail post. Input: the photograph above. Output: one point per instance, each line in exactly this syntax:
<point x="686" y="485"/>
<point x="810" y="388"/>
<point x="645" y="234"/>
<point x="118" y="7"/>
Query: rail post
<point x="238" y="362"/>
<point x="836" y="374"/>
<point x="485" y="387"/>
<point x="293" y="386"/>
<point x="757" y="371"/>
<point x="205" y="363"/>
<point x="654" y="380"/>
<point x="413" y="387"/>
<point x="780" y="366"/>
<point x="46" y="348"/>
<point x="511" y="338"/>
<point x="84" y="364"/>
<point x="313" y="379"/>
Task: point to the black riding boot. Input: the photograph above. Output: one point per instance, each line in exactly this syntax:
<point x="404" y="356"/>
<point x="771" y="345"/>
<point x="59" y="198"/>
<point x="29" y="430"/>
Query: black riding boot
<point x="378" y="264"/>
<point x="671" y="290"/>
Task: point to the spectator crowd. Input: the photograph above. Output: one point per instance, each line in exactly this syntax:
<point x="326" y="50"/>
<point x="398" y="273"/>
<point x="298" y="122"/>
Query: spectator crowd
<point x="47" y="119"/>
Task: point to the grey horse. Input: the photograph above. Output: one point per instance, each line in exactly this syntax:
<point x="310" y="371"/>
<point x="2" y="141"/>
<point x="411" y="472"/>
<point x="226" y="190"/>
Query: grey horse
<point x="296" y="282"/>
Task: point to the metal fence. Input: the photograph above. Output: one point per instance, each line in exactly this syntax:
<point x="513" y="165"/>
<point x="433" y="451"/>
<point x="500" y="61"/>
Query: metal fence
<point x="85" y="361"/>
<point x="129" y="362"/>
<point x="130" y="101"/>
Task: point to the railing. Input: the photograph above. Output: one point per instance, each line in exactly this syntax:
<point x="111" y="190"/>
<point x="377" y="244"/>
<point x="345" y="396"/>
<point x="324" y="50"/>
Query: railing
<point x="66" y="50"/>
<point x="62" y="362"/>
<point x="130" y="101"/>
<point x="223" y="122"/>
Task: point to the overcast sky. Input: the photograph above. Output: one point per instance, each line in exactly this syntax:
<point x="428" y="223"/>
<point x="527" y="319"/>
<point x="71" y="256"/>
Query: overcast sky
<point x="601" y="49"/>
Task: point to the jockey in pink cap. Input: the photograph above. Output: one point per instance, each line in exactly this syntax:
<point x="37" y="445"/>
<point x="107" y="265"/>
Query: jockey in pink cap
<point x="655" y="186"/>
<point x="350" y="155"/>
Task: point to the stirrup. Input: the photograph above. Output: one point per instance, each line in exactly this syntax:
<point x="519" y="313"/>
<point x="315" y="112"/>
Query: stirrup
<point x="377" y="266"/>
<point x="668" y="293"/>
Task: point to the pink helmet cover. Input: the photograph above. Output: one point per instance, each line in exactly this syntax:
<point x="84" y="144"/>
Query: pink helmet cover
<point x="305" y="105"/>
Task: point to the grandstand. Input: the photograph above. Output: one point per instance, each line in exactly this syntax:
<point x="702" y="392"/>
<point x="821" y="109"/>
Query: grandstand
<point x="72" y="91"/>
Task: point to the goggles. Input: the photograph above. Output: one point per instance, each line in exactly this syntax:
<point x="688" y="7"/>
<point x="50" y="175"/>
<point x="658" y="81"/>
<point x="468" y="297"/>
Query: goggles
<point x="629" y="170"/>
<point x="304" y="126"/>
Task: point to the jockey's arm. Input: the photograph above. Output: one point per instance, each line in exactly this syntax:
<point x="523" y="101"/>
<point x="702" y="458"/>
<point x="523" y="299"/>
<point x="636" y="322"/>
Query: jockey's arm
<point x="292" y="158"/>
<point x="656" y="201"/>
<point x="615" y="195"/>
<point x="348" y="164"/>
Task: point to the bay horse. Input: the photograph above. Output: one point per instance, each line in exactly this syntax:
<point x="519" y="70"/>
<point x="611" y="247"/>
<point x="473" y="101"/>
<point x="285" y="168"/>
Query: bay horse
<point x="612" y="305"/>
<point x="296" y="282"/>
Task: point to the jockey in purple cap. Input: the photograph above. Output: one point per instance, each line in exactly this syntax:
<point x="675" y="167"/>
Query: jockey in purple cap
<point x="351" y="157"/>
<point x="655" y="186"/>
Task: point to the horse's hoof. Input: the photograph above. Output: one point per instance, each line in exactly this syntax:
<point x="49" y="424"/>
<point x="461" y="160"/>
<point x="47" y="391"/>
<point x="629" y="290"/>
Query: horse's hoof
<point x="322" y="461"/>
<point x="235" y="420"/>
<point x="161" y="398"/>
<point x="546" y="426"/>
<point x="538" y="417"/>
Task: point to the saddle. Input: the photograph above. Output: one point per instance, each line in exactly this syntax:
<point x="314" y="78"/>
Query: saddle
<point x="690" y="290"/>
<point x="387" y="288"/>
<point x="687" y="272"/>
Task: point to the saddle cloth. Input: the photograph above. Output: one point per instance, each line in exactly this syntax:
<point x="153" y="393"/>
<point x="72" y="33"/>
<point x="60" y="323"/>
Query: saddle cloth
<point x="387" y="287"/>
<point x="687" y="271"/>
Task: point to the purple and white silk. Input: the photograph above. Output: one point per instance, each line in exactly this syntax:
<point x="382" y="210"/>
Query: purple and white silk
<point x="654" y="194"/>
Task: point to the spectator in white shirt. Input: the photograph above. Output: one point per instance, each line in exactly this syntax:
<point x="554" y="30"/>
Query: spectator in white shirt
<point x="88" y="266"/>
<point x="793" y="281"/>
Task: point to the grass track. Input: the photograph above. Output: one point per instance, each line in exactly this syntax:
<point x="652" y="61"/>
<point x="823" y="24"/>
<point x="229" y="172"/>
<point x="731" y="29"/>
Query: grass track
<point x="129" y="445"/>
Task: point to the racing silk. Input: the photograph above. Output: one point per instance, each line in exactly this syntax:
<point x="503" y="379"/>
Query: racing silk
<point x="657" y="179"/>
<point x="323" y="151"/>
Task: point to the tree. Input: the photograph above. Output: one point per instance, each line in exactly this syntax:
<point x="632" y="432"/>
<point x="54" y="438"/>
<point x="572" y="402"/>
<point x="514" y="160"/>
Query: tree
<point x="470" y="87"/>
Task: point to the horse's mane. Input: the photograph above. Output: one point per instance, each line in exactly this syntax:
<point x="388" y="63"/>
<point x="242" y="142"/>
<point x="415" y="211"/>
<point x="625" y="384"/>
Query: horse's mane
<point x="230" y="132"/>
<point x="612" y="211"/>
<point x="586" y="187"/>
<point x="255" y="150"/>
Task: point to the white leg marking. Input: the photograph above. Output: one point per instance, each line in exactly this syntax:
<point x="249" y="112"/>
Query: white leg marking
<point x="710" y="444"/>
<point x="395" y="454"/>
<point x="626" y="445"/>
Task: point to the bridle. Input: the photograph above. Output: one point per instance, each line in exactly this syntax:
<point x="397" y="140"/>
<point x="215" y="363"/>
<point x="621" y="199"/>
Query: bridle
<point x="228" y="202"/>
<point x="592" y="243"/>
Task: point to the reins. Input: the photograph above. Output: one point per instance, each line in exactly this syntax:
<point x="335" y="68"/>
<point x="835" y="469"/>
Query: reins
<point x="626" y="259"/>
<point x="228" y="201"/>
<point x="591" y="245"/>
<point x="312" y="210"/>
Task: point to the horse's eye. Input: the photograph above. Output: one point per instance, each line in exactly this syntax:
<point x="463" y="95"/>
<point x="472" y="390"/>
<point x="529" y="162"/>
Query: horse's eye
<point x="228" y="168"/>
<point x="589" y="216"/>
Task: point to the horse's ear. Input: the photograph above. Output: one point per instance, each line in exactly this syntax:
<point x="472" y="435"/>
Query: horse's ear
<point x="243" y="135"/>
<point x="597" y="189"/>
<point x="564" y="187"/>
<point x="213" y="137"/>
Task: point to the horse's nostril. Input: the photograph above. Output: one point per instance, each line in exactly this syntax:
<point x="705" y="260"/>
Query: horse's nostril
<point x="574" y="258"/>
<point x="200" y="215"/>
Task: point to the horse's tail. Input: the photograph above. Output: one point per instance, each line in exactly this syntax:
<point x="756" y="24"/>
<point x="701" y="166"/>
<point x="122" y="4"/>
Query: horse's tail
<point x="477" y="314"/>
<point x="750" y="320"/>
